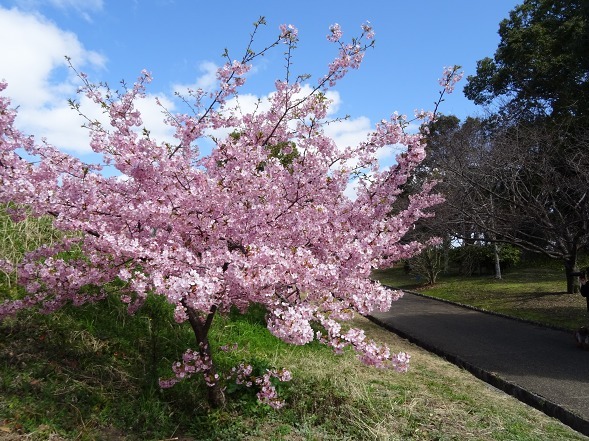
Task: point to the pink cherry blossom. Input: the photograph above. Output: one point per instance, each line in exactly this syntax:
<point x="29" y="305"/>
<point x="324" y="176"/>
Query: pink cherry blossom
<point x="335" y="33"/>
<point x="288" y="33"/>
<point x="450" y="77"/>
<point x="368" y="30"/>
<point x="264" y="218"/>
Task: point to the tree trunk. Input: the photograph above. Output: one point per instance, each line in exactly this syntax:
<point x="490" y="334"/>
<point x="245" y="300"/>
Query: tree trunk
<point x="200" y="326"/>
<point x="215" y="395"/>
<point x="497" y="261"/>
<point x="570" y="267"/>
<point x="495" y="246"/>
<point x="447" y="245"/>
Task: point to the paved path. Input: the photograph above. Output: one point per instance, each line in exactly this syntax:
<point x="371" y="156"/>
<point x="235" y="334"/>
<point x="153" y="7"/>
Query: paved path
<point x="540" y="366"/>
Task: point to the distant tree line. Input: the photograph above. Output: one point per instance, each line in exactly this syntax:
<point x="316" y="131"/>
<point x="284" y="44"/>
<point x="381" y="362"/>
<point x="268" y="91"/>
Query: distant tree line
<point x="519" y="176"/>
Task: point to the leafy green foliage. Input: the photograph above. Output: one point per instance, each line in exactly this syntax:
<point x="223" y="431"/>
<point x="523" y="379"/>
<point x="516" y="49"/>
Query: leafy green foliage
<point x="286" y="152"/>
<point x="542" y="63"/>
<point x="480" y="258"/>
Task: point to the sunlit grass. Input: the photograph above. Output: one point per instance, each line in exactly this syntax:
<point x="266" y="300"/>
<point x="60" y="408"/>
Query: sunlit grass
<point x="92" y="372"/>
<point x="17" y="238"/>
<point x="535" y="292"/>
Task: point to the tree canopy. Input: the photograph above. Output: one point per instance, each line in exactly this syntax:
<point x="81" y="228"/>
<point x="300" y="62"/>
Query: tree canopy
<point x="525" y="185"/>
<point x="541" y="66"/>
<point x="263" y="219"/>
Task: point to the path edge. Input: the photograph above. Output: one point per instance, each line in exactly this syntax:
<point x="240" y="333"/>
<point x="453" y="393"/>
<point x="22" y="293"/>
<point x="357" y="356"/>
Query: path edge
<point x="553" y="410"/>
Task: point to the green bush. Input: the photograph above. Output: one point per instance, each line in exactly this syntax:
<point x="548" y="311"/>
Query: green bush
<point x="480" y="258"/>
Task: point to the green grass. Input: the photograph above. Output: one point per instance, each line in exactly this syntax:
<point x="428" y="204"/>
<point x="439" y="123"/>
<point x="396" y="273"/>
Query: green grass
<point x="535" y="291"/>
<point x="16" y="238"/>
<point x="91" y="373"/>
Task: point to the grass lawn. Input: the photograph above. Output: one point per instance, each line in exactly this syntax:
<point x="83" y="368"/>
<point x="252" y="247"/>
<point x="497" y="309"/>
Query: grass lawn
<point x="535" y="292"/>
<point x="91" y="373"/>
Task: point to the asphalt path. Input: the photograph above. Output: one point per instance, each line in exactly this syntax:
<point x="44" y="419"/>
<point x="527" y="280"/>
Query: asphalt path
<point x="541" y="366"/>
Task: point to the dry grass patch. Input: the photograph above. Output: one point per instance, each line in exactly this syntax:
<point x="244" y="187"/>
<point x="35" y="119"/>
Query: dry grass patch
<point x="435" y="400"/>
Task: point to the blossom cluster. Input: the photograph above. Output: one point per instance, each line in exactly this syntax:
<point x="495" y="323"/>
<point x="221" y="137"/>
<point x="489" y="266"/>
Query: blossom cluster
<point x="289" y="33"/>
<point x="192" y="362"/>
<point x="243" y="374"/>
<point x="198" y="362"/>
<point x="450" y="76"/>
<point x="335" y="33"/>
<point x="368" y="30"/>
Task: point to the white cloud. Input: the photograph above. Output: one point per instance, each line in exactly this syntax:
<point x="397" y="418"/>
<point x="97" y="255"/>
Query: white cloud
<point x="332" y="95"/>
<point x="60" y="125"/>
<point x="387" y="154"/>
<point x="207" y="81"/>
<point x="246" y="103"/>
<point x="39" y="81"/>
<point x="153" y="118"/>
<point x="349" y="132"/>
<point x="37" y="49"/>
<point x="351" y="191"/>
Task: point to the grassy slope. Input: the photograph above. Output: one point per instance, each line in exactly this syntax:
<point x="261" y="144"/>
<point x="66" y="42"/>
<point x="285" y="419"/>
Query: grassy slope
<point x="91" y="374"/>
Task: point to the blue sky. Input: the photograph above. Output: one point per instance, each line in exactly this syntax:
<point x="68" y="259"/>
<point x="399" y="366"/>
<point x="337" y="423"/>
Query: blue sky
<point x="180" y="41"/>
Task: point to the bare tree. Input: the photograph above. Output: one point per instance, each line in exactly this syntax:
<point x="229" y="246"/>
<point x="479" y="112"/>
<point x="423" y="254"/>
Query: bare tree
<point x="523" y="185"/>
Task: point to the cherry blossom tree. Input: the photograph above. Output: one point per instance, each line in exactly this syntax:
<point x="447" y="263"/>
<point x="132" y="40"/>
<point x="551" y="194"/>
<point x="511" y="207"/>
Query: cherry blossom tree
<point x="264" y="218"/>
